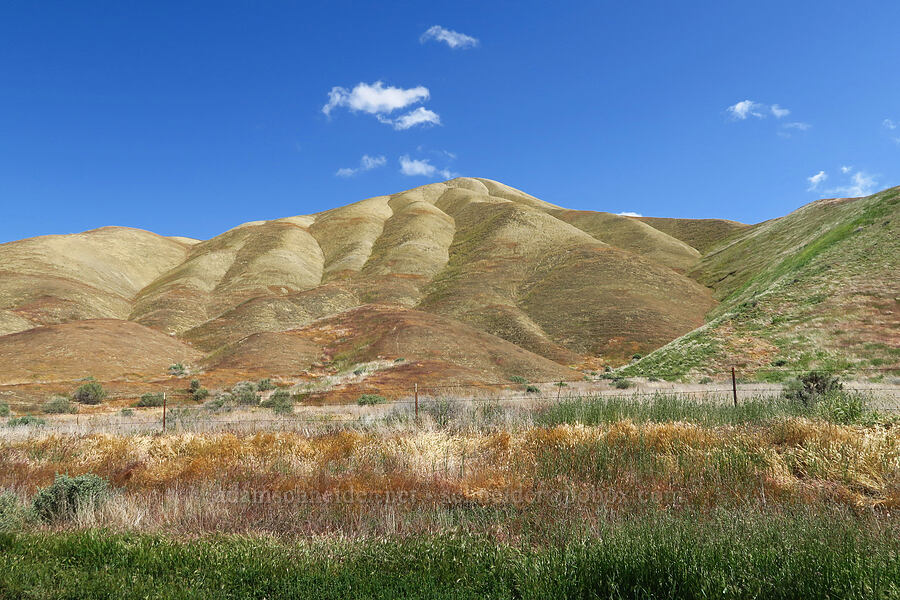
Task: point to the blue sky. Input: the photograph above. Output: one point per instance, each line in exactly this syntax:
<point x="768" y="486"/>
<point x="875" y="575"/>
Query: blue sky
<point x="187" y="118"/>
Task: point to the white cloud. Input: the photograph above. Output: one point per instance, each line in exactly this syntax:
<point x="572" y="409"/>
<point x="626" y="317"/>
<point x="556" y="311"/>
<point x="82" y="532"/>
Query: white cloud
<point x="374" y="99"/>
<point x="380" y="101"/>
<point x="861" y="184"/>
<point x="366" y="163"/>
<point x="798" y="125"/>
<point x="630" y="214"/>
<point x="420" y="116"/>
<point x="746" y="108"/>
<point x="890" y="124"/>
<point x="454" y="39"/>
<point x="779" y="112"/>
<point x="815" y="180"/>
<point x="846" y="169"/>
<point x="422" y="167"/>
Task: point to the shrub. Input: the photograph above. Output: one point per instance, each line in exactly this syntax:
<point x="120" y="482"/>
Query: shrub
<point x="810" y="387"/>
<point x="532" y="389"/>
<point x="178" y="370"/>
<point x="200" y="394"/>
<point x="89" y="393"/>
<point x="265" y="385"/>
<point x="636" y="357"/>
<point x="26" y="420"/>
<point x="68" y="495"/>
<point x="621" y="384"/>
<point x="359" y="371"/>
<point x="194" y="386"/>
<point x="245" y="393"/>
<point x="12" y="512"/>
<point x="222" y="401"/>
<point x="59" y="406"/>
<point x="518" y="379"/>
<point x="706" y="380"/>
<point x="150" y="400"/>
<point x="4" y="409"/>
<point x="561" y="384"/>
<point x="281" y="402"/>
<point x="370" y="399"/>
<point x="126" y="412"/>
<point x="399" y="360"/>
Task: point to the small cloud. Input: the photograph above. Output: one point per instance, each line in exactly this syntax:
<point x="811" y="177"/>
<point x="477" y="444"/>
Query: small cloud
<point x="422" y="167"/>
<point x="798" y="125"/>
<point x="846" y="169"/>
<point x="747" y="108"/>
<point x="366" y="163"/>
<point x="779" y="112"/>
<point x="420" y="116"/>
<point x="375" y="98"/>
<point x="890" y="124"/>
<point x="454" y="39"/>
<point x="630" y="214"/>
<point x="815" y="180"/>
<point x="861" y="184"/>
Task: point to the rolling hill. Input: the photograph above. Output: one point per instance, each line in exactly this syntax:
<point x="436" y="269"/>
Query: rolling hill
<point x="466" y="280"/>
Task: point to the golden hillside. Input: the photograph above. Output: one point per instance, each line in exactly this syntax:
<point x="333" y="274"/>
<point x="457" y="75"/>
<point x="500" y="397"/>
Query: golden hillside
<point x="468" y="277"/>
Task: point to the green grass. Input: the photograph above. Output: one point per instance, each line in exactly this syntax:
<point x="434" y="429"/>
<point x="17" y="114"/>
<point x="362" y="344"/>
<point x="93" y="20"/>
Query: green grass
<point x="662" y="408"/>
<point x="727" y="555"/>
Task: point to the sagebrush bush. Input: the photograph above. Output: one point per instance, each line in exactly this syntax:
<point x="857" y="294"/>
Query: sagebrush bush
<point x="370" y="399"/>
<point x="265" y="385"/>
<point x="194" y="385"/>
<point x="12" y="512"/>
<point x="25" y="420"/>
<point x="245" y="392"/>
<point x="280" y="401"/>
<point x="67" y="495"/>
<point x="178" y="369"/>
<point x="200" y="394"/>
<point x="59" y="406"/>
<point x="532" y="389"/>
<point x="518" y="379"/>
<point x="621" y="384"/>
<point x="4" y="409"/>
<point x="150" y="400"/>
<point x="808" y="388"/>
<point x="89" y="393"/>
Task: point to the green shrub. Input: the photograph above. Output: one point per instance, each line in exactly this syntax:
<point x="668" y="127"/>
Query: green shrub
<point x="26" y="420"/>
<point x="4" y="409"/>
<point x="810" y="387"/>
<point x="532" y="389"/>
<point x="200" y="394"/>
<point x="12" y="512"/>
<point x="68" y="495"/>
<point x="561" y="384"/>
<point x="359" y="371"/>
<point x="518" y="379"/>
<point x="281" y="402"/>
<point x="150" y="400"/>
<point x="59" y="406"/>
<point x="194" y="386"/>
<point x="370" y="399"/>
<point x="265" y="385"/>
<point x="621" y="384"/>
<point x="89" y="393"/>
<point x="178" y="370"/>
<point x="636" y="357"/>
<point x="245" y="393"/>
<point x="399" y="360"/>
<point x="126" y="412"/>
<point x="224" y="401"/>
<point x="706" y="380"/>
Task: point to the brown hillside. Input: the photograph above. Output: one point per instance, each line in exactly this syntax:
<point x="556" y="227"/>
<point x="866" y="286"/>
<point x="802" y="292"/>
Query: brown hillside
<point x="702" y="234"/>
<point x="106" y="349"/>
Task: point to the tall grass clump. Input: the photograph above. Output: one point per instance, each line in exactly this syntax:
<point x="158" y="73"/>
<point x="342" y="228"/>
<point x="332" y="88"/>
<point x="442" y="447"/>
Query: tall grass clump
<point x="12" y="512"/>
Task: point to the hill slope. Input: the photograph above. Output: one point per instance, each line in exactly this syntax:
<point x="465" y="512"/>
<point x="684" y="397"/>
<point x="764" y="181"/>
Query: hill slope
<point x="819" y="287"/>
<point x="467" y="279"/>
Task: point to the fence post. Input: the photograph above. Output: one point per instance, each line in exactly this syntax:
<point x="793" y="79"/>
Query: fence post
<point x="734" y="386"/>
<point x="417" y="402"/>
<point x="164" y="412"/>
<point x="558" y="390"/>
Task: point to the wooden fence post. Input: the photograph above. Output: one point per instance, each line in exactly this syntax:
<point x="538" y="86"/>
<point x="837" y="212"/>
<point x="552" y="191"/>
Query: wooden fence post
<point x="417" y="402"/>
<point x="164" y="412"/>
<point x="734" y="386"/>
